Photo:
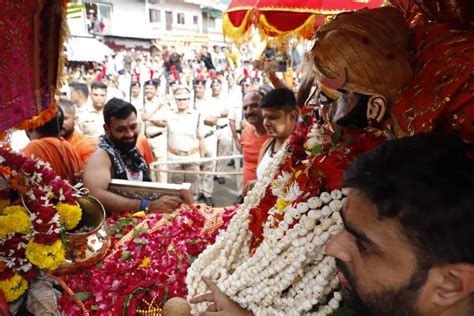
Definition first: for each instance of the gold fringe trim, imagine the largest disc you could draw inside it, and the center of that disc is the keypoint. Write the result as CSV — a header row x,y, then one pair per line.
x,y
236,33
305,30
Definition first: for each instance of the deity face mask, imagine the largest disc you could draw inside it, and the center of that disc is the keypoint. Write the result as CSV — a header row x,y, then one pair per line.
x,y
359,69
343,109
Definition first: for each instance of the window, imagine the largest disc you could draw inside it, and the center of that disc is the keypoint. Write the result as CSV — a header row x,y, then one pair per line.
x,y
155,15
180,18
195,20
212,22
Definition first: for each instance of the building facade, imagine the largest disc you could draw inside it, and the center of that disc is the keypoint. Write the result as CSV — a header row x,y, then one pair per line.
x,y
141,23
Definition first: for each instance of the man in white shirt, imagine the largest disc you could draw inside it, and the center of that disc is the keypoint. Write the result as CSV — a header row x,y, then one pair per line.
x,y
209,115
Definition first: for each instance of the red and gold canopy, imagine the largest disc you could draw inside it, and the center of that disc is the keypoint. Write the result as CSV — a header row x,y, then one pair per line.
x,y
277,18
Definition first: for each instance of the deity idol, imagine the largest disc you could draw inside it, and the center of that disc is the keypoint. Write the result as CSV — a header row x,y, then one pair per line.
x,y
271,259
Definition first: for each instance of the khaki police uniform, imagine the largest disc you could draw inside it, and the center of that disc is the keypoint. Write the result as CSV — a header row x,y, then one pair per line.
x,y
183,144
156,135
91,123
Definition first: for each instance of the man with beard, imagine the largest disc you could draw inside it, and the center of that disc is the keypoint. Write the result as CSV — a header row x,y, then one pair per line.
x,y
117,157
407,246
82,145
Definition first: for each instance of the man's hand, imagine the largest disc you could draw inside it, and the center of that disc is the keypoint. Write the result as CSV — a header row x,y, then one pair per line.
x,y
222,304
165,204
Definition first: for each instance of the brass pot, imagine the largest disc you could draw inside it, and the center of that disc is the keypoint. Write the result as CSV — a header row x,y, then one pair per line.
x,y
86,248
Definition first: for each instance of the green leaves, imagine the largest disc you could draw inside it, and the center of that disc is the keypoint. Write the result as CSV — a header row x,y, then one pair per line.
x,y
125,255
316,149
82,296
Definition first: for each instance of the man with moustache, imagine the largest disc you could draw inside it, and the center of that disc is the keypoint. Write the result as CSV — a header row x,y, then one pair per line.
x,y
407,245
253,137
117,157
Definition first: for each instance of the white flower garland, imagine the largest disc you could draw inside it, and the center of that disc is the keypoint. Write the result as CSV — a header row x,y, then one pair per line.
x,y
288,273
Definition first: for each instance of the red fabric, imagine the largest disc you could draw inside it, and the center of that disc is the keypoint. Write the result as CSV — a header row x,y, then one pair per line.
x,y
439,97
30,42
251,145
59,153
288,15
82,145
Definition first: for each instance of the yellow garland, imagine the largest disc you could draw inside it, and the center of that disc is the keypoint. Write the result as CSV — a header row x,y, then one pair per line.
x,y
70,215
14,220
13,287
46,256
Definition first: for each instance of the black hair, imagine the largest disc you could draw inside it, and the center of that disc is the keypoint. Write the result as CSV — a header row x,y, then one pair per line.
x,y
135,84
426,182
81,87
280,99
52,127
98,85
117,108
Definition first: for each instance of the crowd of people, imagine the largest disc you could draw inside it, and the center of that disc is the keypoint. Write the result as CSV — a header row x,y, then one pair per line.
x,y
183,108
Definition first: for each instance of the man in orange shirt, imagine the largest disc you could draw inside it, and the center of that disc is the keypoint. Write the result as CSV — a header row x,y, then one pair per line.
x,y
47,144
253,137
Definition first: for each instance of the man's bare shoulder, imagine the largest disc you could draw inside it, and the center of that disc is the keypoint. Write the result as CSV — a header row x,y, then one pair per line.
x,y
99,159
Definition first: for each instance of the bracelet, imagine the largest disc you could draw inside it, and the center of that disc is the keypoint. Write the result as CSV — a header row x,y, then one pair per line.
x,y
144,205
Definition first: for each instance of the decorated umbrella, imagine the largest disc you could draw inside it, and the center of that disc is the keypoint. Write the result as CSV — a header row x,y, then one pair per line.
x,y
279,18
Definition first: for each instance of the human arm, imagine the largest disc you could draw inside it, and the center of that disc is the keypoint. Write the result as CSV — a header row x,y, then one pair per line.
x,y
222,304
270,69
97,176
235,136
210,121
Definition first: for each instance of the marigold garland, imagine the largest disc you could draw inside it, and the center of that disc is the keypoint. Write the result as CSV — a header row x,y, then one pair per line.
x,y
70,215
14,220
30,235
13,287
46,256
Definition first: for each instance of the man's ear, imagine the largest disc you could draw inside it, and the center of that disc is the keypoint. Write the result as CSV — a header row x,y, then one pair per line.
x,y
376,108
294,114
106,129
456,284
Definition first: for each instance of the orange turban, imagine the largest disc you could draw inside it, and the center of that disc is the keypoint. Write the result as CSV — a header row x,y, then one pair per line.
x,y
365,51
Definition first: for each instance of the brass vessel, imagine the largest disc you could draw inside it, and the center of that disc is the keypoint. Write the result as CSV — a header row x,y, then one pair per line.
x,y
84,249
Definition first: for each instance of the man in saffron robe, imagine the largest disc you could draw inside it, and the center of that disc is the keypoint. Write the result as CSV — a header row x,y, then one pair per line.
x,y
82,145
47,144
